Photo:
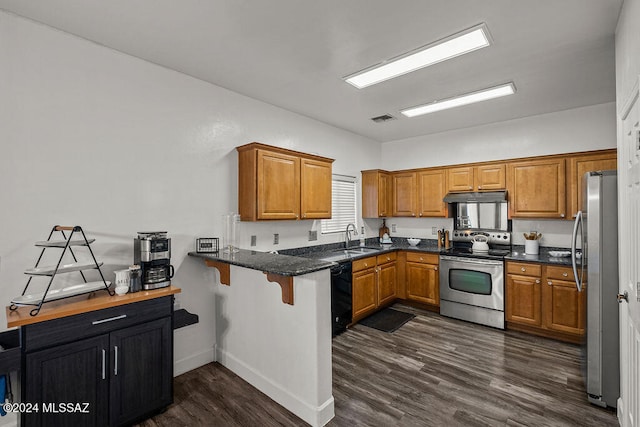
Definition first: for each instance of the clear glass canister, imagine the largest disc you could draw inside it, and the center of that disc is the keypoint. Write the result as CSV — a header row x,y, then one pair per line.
x,y
231,224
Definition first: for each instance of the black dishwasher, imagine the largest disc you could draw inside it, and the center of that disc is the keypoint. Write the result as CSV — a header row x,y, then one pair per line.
x,y
340,297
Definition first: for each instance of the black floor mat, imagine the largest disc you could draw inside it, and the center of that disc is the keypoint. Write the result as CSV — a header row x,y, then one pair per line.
x,y
387,320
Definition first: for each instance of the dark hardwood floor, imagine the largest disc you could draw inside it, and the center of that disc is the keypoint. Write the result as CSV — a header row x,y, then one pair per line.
x,y
433,371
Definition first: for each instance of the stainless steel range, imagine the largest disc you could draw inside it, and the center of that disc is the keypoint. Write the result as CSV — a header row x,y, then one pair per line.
x,y
472,281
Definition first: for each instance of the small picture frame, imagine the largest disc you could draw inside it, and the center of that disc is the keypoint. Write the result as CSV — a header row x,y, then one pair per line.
x,y
207,245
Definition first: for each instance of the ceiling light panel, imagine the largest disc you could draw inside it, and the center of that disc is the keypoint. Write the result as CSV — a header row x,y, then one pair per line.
x,y
469,98
458,44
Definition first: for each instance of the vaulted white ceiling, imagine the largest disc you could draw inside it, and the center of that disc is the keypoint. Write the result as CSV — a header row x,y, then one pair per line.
x,y
294,53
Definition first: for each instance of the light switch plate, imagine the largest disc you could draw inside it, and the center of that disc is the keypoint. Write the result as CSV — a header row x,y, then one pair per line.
x,y
434,231
313,235
254,240
393,228
276,238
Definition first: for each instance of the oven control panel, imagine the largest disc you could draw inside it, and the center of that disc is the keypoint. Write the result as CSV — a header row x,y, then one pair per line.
x,y
493,236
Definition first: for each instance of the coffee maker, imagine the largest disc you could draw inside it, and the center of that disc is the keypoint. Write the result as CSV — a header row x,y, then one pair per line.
x,y
152,252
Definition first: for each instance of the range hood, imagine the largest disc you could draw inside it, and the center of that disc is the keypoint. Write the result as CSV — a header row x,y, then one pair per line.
x,y
476,197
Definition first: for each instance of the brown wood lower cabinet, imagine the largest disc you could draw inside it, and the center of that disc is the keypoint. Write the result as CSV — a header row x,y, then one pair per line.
x,y
422,276
543,299
374,284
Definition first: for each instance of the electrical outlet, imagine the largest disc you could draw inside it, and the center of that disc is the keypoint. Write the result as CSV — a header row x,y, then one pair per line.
x,y
434,231
176,304
313,235
393,228
254,240
276,238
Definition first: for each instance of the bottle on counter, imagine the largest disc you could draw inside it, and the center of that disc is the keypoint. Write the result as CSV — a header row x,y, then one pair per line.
x,y
384,229
362,240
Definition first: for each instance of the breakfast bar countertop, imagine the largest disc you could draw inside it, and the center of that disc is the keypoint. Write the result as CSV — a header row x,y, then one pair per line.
x,y
284,265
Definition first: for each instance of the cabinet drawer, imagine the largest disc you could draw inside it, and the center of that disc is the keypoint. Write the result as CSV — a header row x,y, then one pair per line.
x,y
364,263
423,257
560,273
524,269
391,256
72,328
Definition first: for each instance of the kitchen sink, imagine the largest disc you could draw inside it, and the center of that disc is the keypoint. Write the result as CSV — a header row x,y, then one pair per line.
x,y
342,254
361,251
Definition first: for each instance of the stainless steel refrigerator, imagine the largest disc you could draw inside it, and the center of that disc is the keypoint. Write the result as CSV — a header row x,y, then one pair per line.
x,y
596,226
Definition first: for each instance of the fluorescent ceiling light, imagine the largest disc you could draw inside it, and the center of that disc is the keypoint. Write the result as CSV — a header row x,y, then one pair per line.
x,y
458,44
469,98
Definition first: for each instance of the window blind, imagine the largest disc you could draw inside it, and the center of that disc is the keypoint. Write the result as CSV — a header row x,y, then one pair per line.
x,y
343,204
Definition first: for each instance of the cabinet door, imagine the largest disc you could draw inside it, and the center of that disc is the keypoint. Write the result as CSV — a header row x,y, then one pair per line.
x,y
141,370
315,183
577,167
387,283
364,293
69,374
376,194
404,194
490,177
432,187
278,186
523,300
537,188
423,283
563,307
385,190
460,179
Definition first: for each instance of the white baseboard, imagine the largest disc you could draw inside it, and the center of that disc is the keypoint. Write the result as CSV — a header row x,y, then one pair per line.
x,y
316,416
192,362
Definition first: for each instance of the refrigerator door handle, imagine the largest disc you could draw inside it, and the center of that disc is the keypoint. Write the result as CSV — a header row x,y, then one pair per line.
x,y
576,224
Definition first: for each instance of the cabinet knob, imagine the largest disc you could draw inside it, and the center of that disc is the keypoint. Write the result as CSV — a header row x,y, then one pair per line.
x,y
304,215
565,274
436,269
420,214
366,265
388,259
549,282
421,259
561,215
413,214
479,187
471,187
523,269
537,281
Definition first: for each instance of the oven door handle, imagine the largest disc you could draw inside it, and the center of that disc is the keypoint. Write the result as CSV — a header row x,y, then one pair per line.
x,y
470,260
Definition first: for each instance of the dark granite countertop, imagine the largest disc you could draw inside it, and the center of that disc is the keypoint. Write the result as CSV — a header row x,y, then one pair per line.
x,y
285,265
517,254
336,252
299,261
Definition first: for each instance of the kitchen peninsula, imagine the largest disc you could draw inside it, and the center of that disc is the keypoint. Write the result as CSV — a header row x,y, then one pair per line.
x,y
272,328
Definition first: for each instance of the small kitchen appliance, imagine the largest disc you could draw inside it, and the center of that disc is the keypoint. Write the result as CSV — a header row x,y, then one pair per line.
x,y
152,252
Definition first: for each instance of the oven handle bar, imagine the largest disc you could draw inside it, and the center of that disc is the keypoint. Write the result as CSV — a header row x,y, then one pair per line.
x,y
470,260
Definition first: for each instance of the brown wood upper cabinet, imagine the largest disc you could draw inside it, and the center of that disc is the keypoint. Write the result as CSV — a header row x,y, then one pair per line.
x,y
432,187
419,194
376,194
275,183
477,178
404,194
576,168
536,188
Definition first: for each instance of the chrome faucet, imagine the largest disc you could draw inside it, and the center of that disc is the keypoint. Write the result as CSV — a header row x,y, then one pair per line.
x,y
347,235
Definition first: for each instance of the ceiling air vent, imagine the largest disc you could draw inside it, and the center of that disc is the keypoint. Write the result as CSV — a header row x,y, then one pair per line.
x,y
383,118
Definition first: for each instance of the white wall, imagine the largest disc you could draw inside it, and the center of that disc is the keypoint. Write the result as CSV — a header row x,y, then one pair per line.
x,y
580,129
96,138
